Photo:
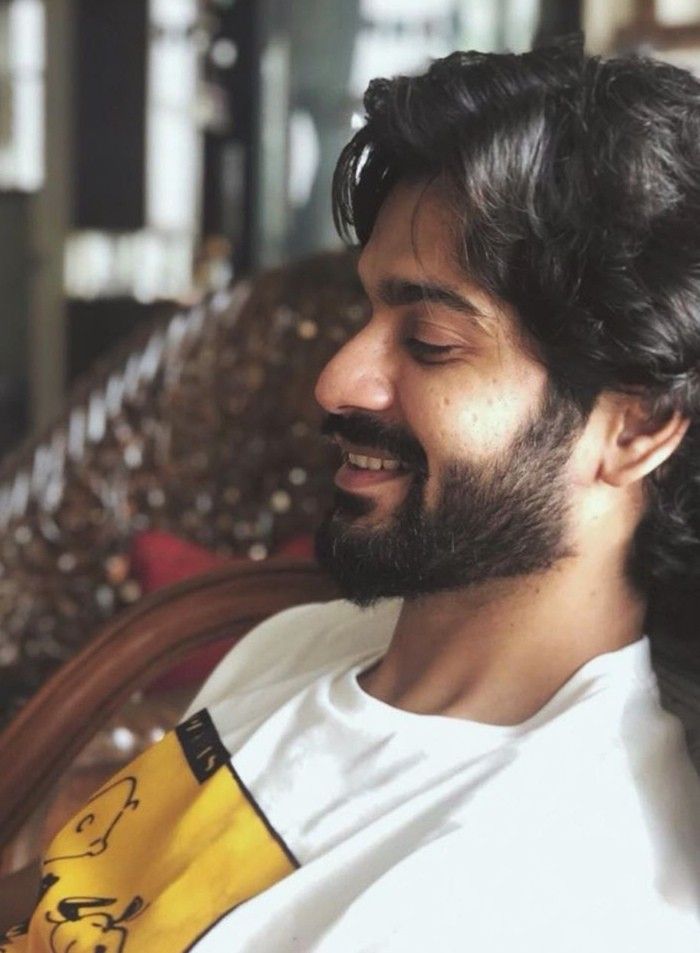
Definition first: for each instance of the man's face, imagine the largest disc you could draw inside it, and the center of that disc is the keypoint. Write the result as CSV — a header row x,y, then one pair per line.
x,y
441,392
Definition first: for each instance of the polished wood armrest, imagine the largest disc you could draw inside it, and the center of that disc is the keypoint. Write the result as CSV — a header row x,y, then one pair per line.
x,y
18,893
127,655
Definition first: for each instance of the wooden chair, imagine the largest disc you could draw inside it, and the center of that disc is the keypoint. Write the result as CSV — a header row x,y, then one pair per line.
x,y
47,734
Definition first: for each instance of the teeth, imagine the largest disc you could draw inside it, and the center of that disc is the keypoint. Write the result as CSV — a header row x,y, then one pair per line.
x,y
362,462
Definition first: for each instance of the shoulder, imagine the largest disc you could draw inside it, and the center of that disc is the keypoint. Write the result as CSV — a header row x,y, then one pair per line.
x,y
654,755
642,811
297,645
622,794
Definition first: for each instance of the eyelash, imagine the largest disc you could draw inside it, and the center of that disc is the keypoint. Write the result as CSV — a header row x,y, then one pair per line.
x,y
422,351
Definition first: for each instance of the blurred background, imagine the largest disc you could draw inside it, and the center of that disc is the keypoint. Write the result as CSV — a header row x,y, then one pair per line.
x,y
152,151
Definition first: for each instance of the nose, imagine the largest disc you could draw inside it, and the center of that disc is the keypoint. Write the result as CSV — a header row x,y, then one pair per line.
x,y
359,376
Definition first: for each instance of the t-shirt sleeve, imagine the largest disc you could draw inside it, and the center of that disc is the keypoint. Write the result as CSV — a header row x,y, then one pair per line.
x,y
258,656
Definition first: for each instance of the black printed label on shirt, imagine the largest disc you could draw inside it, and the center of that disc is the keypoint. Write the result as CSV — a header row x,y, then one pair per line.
x,y
200,742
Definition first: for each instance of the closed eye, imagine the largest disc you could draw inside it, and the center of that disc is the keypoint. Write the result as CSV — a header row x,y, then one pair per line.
x,y
426,353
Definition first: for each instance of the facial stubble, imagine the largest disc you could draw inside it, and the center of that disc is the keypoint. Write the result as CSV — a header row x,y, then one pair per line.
x,y
503,518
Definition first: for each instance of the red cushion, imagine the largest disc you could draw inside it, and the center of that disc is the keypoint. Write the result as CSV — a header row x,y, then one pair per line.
x,y
158,559
302,546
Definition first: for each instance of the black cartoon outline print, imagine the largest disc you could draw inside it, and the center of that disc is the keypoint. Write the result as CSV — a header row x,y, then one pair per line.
x,y
110,933
47,882
99,817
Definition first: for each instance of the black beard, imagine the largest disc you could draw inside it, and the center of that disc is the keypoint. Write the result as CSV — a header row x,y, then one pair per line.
x,y
502,519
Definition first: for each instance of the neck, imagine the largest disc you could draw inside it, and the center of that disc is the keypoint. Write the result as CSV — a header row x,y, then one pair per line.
x,y
498,652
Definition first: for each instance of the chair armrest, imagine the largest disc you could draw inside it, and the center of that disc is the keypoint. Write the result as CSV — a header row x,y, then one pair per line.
x,y
18,892
128,654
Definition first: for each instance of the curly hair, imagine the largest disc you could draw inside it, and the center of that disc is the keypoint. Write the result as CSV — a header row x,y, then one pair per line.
x,y
576,182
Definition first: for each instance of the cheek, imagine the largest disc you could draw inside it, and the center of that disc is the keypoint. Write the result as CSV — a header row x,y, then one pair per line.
x,y
468,428
470,413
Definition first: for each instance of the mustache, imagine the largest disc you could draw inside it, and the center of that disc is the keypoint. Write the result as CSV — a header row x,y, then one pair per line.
x,y
365,429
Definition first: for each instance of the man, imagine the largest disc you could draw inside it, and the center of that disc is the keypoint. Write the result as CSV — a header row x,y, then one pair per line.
x,y
469,754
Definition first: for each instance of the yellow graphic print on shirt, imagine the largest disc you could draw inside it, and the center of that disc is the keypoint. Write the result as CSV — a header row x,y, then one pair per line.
x,y
156,856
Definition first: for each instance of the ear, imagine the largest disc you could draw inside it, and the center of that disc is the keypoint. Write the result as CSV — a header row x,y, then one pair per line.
x,y
639,441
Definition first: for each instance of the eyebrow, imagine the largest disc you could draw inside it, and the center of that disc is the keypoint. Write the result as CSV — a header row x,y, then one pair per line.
x,y
398,292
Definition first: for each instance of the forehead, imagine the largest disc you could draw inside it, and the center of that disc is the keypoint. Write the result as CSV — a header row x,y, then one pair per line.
x,y
414,234
415,240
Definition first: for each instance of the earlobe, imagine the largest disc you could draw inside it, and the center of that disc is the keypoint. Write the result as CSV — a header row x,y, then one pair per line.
x,y
640,444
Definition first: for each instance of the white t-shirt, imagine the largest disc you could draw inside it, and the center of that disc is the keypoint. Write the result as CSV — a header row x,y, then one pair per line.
x,y
578,830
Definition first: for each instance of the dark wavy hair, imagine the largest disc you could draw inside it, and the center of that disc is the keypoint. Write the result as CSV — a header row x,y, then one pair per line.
x,y
577,185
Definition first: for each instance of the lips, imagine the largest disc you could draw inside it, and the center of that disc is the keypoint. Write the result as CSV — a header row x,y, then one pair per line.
x,y
375,445
364,467
362,461
365,457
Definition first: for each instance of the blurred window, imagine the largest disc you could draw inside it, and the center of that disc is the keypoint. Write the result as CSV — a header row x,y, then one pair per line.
x,y
22,95
318,57
156,261
677,12
173,137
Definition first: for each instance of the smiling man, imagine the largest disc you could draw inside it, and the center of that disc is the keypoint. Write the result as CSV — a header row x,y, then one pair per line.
x,y
468,752
471,488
